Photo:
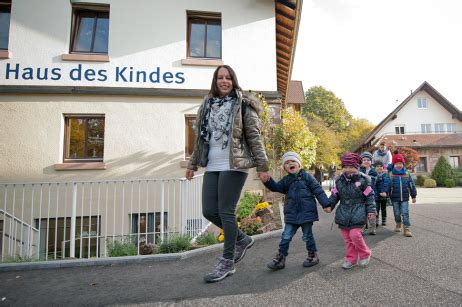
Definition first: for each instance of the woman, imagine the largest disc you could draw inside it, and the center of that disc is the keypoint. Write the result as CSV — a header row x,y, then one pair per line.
x,y
228,143
319,173
332,172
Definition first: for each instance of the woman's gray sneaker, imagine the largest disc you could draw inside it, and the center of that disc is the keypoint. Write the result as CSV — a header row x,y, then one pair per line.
x,y
241,248
224,267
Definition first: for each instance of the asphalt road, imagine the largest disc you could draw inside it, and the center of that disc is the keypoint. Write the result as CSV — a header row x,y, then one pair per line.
x,y
423,270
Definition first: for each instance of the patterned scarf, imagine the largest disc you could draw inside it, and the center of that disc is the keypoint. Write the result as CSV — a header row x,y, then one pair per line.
x,y
217,118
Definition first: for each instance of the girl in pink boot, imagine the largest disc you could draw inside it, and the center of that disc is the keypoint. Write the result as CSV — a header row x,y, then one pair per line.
x,y
357,204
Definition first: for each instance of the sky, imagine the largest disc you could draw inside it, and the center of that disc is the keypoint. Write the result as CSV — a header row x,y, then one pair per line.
x,y
372,53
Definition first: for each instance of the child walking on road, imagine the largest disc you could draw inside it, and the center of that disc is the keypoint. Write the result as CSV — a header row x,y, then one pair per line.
x,y
357,204
399,185
381,200
300,208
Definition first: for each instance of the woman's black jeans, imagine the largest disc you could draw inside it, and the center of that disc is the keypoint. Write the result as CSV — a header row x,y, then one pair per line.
x,y
220,194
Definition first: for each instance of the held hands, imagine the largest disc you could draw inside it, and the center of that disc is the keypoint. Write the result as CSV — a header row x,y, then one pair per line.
x,y
264,176
383,194
189,174
413,200
328,210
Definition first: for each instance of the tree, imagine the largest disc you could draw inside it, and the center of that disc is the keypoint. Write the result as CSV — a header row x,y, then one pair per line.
x,y
411,157
328,147
353,136
328,107
293,135
442,171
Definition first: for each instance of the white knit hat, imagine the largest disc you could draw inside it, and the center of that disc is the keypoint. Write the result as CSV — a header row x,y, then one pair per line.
x,y
290,155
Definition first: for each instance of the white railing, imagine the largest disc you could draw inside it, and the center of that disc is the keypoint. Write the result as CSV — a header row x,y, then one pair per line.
x,y
58,220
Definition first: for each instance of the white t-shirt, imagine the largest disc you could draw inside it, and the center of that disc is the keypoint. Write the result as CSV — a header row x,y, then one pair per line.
x,y
218,157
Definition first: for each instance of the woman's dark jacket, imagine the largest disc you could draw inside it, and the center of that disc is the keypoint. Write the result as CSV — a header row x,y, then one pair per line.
x,y
300,190
356,198
399,185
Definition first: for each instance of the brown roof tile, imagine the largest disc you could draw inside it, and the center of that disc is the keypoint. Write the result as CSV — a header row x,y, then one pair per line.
x,y
424,140
295,94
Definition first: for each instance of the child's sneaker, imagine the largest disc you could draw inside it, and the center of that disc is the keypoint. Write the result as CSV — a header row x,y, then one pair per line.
x,y
278,262
348,265
407,232
311,260
364,262
224,267
398,227
241,248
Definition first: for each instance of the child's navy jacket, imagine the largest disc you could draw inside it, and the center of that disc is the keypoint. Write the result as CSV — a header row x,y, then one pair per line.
x,y
301,190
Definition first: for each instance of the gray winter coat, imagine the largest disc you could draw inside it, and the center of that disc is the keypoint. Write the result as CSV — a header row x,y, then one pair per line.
x,y
356,198
246,149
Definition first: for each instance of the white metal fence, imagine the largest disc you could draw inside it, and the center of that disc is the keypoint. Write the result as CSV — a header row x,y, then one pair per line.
x,y
47,221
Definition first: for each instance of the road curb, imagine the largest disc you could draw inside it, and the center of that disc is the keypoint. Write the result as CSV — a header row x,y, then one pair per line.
x,y
56,264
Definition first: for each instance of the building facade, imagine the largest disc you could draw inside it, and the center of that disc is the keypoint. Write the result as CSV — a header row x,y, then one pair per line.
x,y
425,121
101,90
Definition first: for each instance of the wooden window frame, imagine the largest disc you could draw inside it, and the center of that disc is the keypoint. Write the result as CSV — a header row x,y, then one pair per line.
x,y
205,17
87,8
188,117
5,6
66,137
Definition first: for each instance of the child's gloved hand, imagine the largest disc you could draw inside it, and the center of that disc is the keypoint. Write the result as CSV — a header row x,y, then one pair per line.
x,y
413,200
328,210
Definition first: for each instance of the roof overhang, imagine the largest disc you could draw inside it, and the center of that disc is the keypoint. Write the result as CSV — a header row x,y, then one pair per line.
x,y
288,15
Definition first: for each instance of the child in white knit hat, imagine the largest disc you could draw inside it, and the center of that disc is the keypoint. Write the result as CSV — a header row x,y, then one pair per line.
x,y
300,209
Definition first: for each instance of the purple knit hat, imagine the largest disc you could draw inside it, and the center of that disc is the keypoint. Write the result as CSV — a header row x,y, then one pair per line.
x,y
350,159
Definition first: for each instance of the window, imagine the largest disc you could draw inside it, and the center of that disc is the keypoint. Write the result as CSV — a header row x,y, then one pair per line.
x,y
439,128
421,103
59,230
399,129
90,29
190,135
421,165
204,35
5,12
454,161
149,229
451,127
84,138
426,128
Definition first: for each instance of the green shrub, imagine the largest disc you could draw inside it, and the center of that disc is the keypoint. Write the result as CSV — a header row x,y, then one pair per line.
x,y
207,239
175,243
18,259
430,183
250,225
420,180
121,248
449,183
442,171
458,176
247,205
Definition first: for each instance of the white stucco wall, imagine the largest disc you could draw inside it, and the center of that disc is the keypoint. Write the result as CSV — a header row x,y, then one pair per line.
x,y
144,136
145,36
412,117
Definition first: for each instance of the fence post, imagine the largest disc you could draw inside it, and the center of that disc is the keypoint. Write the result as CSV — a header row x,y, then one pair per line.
x,y
162,199
73,220
183,206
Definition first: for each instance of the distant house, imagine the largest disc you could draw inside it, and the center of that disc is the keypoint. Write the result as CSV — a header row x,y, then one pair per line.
x,y
426,122
295,95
